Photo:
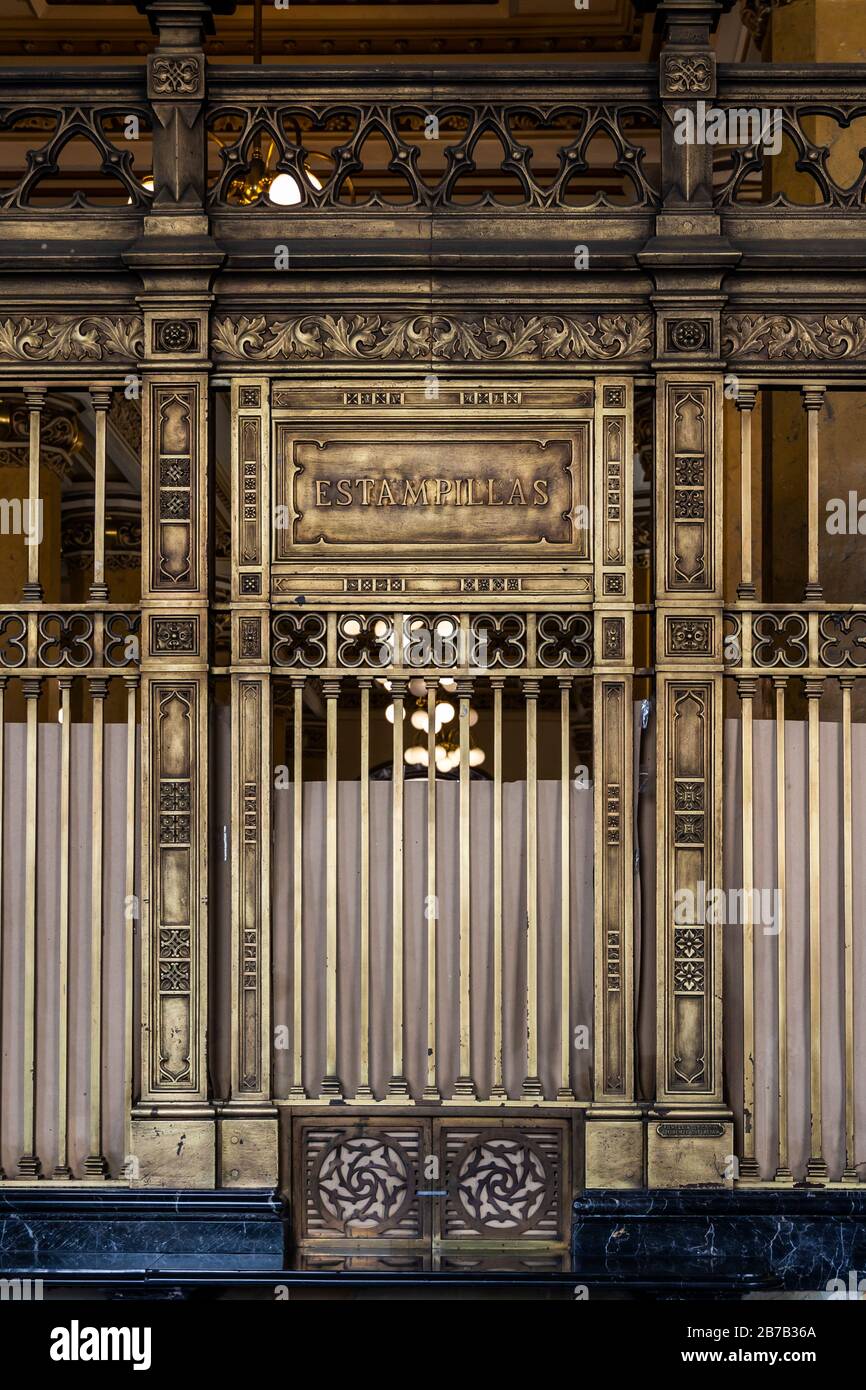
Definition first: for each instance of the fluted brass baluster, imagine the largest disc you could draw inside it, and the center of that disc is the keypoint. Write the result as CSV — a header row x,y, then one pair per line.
x,y
431,915
29,1165
296,1089
497,1091
816,1169
532,1082
332,1087
748,1164
464,1087
783,1172
62,1169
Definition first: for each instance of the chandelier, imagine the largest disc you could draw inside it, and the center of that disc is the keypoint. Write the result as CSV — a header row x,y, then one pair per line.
x,y
262,179
446,728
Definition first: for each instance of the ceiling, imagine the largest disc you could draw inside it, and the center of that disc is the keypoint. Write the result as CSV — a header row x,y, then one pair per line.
x,y
322,31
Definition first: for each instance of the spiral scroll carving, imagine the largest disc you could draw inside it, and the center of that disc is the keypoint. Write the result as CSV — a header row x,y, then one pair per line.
x,y
364,1184
502,1183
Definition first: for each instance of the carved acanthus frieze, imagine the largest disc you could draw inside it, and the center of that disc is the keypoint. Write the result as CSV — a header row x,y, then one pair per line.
x,y
67,338
494,337
767,337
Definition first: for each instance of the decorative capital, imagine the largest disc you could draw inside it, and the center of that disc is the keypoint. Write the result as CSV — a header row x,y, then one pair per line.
x,y
183,23
101,397
746,397
814,397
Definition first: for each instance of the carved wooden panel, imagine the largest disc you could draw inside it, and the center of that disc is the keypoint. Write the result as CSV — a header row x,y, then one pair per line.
x,y
474,489
409,1182
360,1180
174,953
688,486
614,1005
690,746
613,491
176,531
250,886
251,529
504,1180
461,487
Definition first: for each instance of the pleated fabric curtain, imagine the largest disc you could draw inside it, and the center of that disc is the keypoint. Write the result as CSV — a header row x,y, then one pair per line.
x,y
115,935
797,934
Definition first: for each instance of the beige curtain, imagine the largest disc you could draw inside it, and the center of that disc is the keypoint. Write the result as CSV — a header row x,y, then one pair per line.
x,y
796,908
415,892
115,794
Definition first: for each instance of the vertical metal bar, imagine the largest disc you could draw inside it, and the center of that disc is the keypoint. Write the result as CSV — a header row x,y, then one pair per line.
x,y
464,1086
532,1082
431,915
28,1164
748,1165
296,1090
847,682
498,1091
783,1171
95,1165
813,402
101,398
565,684
35,398
816,1168
131,905
746,398
62,1169
397,1086
331,1085
364,1091
3,680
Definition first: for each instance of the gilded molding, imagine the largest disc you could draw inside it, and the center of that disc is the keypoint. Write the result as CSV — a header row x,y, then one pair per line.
x,y
766,337
67,338
493,337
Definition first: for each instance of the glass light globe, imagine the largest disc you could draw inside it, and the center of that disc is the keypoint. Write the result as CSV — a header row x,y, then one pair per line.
x,y
445,712
473,717
448,683
418,687
476,757
285,191
146,182
419,719
415,755
351,627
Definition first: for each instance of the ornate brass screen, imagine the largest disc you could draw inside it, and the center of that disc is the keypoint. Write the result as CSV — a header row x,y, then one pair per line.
x,y
389,434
